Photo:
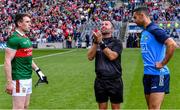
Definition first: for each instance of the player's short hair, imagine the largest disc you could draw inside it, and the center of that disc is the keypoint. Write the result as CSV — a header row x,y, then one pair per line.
x,y
142,9
19,17
113,25
110,20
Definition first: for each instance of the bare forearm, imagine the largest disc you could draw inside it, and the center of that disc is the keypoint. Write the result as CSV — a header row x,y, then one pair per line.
x,y
169,53
8,71
34,66
92,52
110,54
9,55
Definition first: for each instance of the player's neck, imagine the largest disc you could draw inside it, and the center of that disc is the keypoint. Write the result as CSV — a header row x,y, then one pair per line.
x,y
107,35
20,31
147,22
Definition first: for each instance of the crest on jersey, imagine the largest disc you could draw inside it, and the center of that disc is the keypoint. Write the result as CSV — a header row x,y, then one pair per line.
x,y
23,90
144,38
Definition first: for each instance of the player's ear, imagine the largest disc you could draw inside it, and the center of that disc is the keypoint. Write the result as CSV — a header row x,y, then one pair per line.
x,y
112,29
143,15
19,23
112,26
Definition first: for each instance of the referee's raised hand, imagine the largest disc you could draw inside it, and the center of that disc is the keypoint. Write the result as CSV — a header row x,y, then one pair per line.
x,y
97,35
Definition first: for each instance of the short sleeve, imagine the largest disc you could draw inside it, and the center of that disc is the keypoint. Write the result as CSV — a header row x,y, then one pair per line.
x,y
117,46
12,43
159,34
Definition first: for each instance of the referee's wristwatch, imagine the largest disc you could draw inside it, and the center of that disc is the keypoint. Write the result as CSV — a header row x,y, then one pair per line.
x,y
102,45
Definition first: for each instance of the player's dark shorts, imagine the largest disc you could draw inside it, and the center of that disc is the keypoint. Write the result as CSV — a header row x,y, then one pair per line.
x,y
156,83
109,89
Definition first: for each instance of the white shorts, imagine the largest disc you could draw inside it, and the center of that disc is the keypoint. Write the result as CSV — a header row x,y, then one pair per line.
x,y
22,87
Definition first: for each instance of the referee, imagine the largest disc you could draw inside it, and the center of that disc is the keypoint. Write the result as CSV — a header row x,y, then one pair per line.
x,y
107,53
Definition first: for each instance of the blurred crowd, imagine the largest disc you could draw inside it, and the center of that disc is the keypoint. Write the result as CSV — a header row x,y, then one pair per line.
x,y
166,14
159,9
54,20
59,20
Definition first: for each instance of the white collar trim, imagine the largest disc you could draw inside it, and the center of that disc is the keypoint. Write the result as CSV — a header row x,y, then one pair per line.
x,y
20,33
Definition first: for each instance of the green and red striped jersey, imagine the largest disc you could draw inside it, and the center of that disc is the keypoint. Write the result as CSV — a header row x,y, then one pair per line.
x,y
22,62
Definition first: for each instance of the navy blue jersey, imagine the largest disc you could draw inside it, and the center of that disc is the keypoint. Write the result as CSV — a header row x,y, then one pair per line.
x,y
153,49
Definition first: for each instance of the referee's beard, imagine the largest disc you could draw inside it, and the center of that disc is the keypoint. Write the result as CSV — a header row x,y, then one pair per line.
x,y
106,34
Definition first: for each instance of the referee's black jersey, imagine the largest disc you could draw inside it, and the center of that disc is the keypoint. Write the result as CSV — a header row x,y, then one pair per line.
x,y
103,66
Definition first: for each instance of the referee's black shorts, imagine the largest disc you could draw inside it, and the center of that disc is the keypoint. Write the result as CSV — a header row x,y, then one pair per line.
x,y
109,89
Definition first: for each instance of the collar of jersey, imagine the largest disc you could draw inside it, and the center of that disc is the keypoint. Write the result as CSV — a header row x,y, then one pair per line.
x,y
20,33
151,24
105,39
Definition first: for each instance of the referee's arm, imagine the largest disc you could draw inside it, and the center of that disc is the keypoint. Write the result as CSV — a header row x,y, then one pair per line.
x,y
92,52
112,55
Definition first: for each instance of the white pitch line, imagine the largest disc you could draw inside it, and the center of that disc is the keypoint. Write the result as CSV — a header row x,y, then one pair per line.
x,y
60,53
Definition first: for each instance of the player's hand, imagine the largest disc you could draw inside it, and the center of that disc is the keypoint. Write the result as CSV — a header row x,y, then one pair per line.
x,y
97,36
159,65
9,88
42,77
39,73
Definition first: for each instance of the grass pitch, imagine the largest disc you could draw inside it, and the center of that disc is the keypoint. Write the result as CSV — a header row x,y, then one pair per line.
x,y
71,78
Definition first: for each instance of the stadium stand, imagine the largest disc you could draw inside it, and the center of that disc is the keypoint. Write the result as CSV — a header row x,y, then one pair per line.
x,y
164,13
71,22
